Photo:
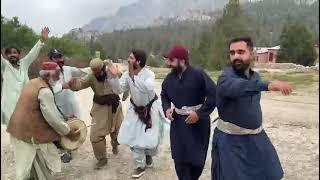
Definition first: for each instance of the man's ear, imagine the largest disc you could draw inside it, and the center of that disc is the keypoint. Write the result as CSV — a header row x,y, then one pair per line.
x,y
182,62
252,54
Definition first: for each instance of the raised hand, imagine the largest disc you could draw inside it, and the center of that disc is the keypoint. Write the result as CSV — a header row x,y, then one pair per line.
x,y
45,34
131,70
282,86
113,69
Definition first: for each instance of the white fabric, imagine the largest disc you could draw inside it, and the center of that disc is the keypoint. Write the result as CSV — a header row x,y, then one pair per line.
x,y
233,129
14,80
186,110
132,130
65,98
25,153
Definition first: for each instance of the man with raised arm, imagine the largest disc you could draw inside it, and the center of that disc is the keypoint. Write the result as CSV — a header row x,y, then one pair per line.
x,y
14,72
241,149
142,128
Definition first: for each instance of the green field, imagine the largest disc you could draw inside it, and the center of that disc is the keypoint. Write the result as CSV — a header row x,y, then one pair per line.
x,y
294,78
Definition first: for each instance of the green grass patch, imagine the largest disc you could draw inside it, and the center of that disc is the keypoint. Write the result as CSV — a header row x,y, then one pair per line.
x,y
296,79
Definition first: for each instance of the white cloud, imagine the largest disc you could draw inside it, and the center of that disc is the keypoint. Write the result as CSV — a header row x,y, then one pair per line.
x,y
59,15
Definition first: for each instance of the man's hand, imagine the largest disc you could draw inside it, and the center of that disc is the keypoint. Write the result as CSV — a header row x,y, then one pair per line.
x,y
113,69
282,86
73,134
73,83
65,85
45,34
169,114
192,118
71,116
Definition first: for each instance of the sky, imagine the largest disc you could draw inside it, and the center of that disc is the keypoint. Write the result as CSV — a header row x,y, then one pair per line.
x,y
59,15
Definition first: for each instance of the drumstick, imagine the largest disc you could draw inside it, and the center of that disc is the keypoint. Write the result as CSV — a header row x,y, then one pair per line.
x,y
84,127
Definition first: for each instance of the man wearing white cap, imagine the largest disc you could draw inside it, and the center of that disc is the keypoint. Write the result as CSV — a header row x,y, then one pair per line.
x,y
106,111
65,98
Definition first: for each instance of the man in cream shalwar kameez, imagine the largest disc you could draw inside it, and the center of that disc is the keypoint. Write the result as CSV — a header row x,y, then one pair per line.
x,y
65,98
16,76
36,157
143,141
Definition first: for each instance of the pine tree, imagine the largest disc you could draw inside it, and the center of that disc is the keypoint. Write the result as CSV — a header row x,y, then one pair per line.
x,y
213,49
297,45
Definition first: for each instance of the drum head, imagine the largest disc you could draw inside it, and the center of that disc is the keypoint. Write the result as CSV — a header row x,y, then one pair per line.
x,y
67,143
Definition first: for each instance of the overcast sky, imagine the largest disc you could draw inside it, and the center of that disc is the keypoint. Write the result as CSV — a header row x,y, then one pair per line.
x,y
59,15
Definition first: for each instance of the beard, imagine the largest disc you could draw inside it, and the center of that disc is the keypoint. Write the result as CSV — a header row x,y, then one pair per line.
x,y
14,60
176,70
135,66
102,76
52,83
240,66
61,64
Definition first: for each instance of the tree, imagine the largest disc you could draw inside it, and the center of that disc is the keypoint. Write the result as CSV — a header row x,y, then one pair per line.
x,y
15,34
297,45
96,46
212,51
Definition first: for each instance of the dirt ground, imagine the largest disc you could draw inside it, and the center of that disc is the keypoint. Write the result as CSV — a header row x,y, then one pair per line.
x,y
293,127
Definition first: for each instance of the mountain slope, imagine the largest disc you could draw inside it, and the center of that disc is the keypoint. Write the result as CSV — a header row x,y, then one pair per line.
x,y
144,13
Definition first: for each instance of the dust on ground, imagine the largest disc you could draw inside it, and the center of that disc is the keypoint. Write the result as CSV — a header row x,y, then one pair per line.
x,y
292,123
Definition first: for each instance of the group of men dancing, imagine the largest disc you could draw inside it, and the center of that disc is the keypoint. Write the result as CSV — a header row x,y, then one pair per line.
x,y
36,113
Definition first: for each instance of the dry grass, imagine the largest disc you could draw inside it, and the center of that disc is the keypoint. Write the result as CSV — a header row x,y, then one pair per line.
x,y
296,79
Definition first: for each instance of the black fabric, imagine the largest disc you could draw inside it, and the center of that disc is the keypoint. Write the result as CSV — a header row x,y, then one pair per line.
x,y
144,112
187,171
189,142
110,100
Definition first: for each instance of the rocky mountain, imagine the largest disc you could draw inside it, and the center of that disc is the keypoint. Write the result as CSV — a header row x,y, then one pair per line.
x,y
144,13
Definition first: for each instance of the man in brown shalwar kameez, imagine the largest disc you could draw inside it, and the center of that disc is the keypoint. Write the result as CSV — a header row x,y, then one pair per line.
x,y
106,111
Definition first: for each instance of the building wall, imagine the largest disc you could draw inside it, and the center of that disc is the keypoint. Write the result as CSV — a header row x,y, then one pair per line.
x,y
274,56
262,57
267,57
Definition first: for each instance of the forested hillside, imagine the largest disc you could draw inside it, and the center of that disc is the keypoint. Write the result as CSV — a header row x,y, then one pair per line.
x,y
263,20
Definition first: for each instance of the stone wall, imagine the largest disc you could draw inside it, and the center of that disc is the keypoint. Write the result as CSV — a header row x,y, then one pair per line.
x,y
287,66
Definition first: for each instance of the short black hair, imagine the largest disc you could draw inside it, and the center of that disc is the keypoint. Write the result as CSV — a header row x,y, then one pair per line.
x,y
140,55
8,50
247,40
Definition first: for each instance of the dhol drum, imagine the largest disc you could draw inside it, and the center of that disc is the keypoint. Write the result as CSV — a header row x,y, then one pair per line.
x,y
71,145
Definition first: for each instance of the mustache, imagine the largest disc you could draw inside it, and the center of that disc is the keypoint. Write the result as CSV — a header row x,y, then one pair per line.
x,y
13,58
60,63
238,61
176,70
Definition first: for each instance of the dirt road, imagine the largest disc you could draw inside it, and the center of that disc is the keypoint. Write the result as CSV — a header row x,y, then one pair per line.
x,y
292,126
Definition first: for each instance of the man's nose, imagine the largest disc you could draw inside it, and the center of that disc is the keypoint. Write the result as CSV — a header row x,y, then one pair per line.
x,y
237,55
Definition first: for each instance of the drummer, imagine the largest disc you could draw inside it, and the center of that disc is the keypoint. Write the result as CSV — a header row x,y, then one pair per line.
x,y
32,136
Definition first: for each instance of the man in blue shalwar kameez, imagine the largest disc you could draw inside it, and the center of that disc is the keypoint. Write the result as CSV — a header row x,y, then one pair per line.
x,y
241,149
192,92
